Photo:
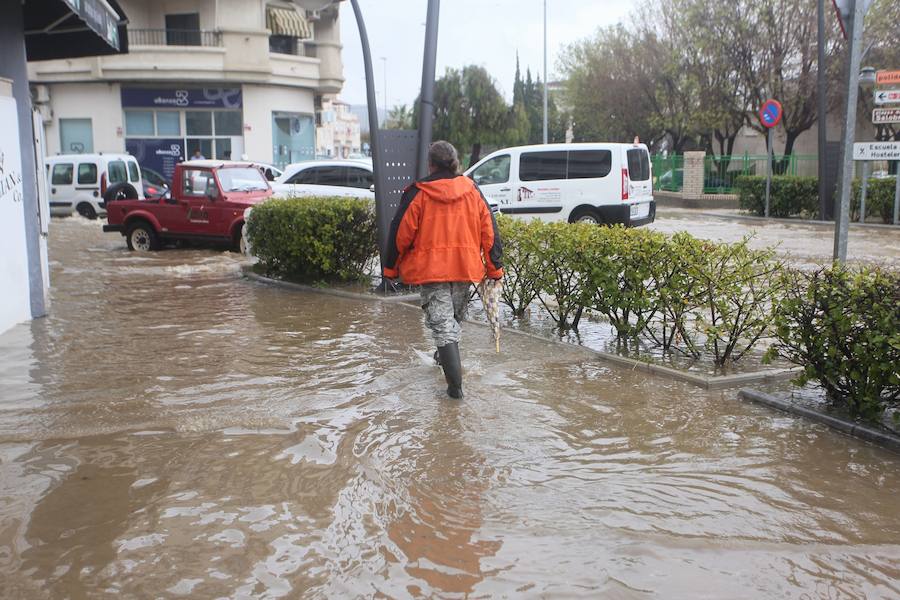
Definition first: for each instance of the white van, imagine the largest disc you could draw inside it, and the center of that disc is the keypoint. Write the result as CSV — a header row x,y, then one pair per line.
x,y
79,181
594,183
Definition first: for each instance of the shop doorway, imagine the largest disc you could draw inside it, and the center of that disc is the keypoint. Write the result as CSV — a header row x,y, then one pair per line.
x,y
293,138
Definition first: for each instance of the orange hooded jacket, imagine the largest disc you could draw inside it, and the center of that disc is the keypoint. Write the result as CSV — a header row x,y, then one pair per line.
x,y
443,231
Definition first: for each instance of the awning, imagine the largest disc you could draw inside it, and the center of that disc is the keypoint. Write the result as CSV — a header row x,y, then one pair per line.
x,y
73,28
287,21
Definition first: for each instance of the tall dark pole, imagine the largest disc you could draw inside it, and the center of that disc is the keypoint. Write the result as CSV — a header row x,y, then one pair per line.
x,y
426,97
374,141
823,115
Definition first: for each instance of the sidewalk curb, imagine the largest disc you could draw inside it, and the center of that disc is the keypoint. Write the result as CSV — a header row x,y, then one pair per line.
x,y
885,226
851,428
702,381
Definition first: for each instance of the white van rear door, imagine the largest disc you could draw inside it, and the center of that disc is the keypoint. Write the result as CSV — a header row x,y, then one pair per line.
x,y
640,186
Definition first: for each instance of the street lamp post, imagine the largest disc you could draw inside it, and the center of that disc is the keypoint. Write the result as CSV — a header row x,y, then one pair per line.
x,y
545,71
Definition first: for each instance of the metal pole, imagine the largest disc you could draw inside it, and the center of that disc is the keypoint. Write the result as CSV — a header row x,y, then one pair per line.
x,y
862,192
545,71
374,136
426,102
384,74
768,169
842,219
897,196
822,114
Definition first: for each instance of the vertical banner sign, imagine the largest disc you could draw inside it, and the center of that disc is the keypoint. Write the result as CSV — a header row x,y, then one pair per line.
x,y
769,115
16,304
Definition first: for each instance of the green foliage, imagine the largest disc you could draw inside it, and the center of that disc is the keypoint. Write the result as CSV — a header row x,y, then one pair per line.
x,y
843,327
560,285
879,199
400,117
736,289
789,196
521,262
314,239
625,273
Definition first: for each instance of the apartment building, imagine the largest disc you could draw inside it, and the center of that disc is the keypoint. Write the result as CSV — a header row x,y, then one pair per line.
x,y
337,131
230,78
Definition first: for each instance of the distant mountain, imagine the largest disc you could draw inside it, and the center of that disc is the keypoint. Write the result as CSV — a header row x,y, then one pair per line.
x,y
362,111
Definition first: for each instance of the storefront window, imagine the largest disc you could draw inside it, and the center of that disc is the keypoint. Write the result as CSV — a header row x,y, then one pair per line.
x,y
168,123
228,122
139,122
198,122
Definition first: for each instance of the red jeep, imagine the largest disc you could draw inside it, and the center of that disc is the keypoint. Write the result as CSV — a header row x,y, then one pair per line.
x,y
208,201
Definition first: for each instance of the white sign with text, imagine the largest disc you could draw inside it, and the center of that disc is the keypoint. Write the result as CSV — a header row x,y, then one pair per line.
x,y
876,151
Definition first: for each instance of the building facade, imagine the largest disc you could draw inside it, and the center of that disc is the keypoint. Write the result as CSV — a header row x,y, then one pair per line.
x,y
228,78
337,133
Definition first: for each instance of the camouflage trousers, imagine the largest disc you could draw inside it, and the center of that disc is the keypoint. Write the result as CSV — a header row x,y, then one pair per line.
x,y
445,306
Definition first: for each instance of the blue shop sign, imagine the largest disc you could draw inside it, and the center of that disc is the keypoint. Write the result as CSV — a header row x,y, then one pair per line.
x,y
182,98
159,154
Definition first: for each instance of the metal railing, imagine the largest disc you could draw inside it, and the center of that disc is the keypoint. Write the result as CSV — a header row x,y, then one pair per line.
x,y
174,37
721,172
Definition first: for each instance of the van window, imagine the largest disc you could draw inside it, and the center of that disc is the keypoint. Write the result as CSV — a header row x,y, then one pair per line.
x,y
359,178
134,173
638,165
116,170
304,176
87,173
588,164
495,170
62,174
539,166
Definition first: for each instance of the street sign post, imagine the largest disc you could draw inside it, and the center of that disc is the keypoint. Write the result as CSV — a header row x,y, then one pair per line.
x,y
885,116
770,115
876,151
887,97
887,77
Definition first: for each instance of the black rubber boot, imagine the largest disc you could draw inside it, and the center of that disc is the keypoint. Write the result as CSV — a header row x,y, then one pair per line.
x,y
452,366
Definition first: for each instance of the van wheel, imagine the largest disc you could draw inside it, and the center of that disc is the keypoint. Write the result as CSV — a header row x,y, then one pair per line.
x,y
141,237
87,211
585,215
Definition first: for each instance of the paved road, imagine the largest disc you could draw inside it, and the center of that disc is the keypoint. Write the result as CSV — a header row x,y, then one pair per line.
x,y
803,243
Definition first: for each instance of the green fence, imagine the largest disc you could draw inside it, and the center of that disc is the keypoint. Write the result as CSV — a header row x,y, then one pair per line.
x,y
668,172
720,172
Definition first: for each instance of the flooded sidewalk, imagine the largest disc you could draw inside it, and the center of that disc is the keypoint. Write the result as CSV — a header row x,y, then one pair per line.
x,y
173,430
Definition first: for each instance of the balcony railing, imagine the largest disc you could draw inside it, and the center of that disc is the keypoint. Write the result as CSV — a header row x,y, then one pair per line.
x,y
174,37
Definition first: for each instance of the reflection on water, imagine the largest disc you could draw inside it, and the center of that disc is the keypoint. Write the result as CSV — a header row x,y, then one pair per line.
x,y
175,431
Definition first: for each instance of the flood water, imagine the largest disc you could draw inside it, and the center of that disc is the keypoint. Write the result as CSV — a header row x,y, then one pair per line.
x,y
173,430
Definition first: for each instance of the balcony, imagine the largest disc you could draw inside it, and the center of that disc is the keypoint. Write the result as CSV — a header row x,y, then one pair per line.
x,y
174,37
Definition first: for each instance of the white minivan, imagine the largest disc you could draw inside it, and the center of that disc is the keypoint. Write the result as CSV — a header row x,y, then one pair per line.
x,y
594,183
79,181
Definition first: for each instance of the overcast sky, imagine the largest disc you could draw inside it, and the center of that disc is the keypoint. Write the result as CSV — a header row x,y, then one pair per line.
x,y
482,32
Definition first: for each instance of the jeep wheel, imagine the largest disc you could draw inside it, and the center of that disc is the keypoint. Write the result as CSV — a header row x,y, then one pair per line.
x,y
239,242
585,215
87,211
141,237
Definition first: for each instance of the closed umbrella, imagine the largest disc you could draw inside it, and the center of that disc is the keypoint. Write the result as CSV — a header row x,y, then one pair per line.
x,y
490,291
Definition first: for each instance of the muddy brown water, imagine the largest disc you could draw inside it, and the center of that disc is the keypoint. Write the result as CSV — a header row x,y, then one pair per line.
x,y
173,430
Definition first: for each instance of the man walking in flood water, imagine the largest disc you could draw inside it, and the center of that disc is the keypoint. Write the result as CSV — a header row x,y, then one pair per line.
x,y
444,238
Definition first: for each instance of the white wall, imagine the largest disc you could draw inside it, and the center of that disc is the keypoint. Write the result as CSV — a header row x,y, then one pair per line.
x,y
100,102
260,101
15,303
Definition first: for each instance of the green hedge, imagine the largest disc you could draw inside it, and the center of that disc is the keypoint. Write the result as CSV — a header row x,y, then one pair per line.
x,y
843,327
790,196
879,199
679,292
315,239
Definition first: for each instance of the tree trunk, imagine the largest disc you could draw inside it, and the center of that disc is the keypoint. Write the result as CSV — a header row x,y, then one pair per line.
x,y
780,167
476,153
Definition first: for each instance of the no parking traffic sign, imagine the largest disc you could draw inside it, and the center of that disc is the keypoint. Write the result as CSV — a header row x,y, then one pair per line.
x,y
770,113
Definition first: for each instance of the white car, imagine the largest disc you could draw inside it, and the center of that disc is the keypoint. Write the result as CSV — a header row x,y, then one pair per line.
x,y
349,178
594,183
79,181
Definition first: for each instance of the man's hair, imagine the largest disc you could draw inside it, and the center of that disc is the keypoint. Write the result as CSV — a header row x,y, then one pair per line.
x,y
442,155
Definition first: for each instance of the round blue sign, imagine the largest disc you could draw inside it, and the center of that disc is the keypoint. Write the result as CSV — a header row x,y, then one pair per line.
x,y
770,113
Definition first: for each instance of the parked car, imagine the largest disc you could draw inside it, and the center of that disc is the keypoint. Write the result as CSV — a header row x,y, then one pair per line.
x,y
207,203
155,184
78,182
593,183
353,178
